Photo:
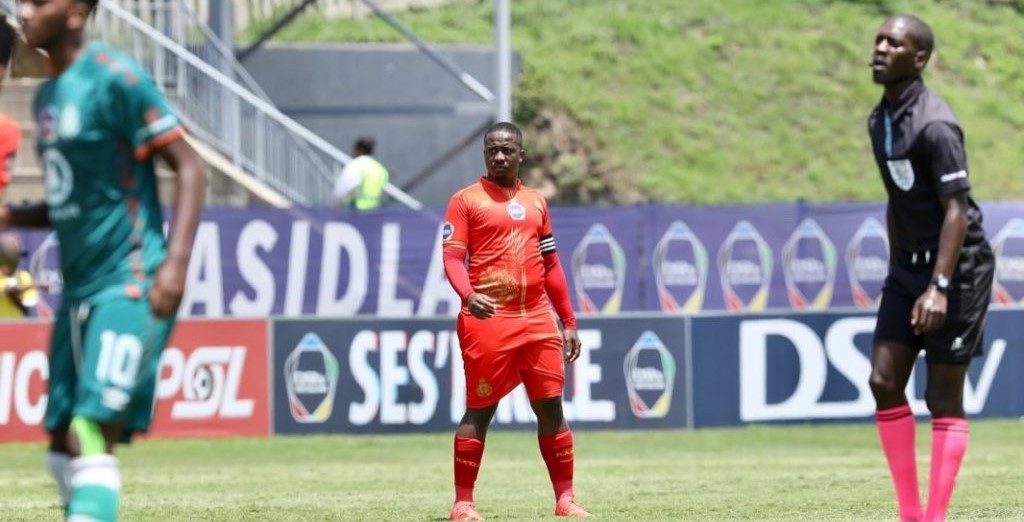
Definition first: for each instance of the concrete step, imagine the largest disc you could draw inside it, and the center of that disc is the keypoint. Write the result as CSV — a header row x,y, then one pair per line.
x,y
26,155
25,188
16,99
16,102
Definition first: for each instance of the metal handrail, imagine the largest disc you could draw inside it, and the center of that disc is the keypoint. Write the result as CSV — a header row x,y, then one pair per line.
x,y
225,58
232,100
225,111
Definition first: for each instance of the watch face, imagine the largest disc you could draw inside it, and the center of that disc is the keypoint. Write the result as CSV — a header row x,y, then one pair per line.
x,y
942,282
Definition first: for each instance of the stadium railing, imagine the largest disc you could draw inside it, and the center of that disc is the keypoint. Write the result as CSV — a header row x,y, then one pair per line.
x,y
239,123
201,78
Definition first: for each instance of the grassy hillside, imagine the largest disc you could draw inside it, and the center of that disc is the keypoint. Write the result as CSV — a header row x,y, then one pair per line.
x,y
712,101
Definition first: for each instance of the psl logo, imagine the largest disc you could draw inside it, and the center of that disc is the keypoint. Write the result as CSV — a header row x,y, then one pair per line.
x,y
809,267
1008,246
205,383
599,271
867,263
650,373
311,379
680,264
745,267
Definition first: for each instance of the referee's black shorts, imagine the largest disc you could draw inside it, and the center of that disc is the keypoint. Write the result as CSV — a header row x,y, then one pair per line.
x,y
970,291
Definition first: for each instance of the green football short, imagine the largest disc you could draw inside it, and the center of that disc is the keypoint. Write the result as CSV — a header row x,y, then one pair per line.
x,y
105,360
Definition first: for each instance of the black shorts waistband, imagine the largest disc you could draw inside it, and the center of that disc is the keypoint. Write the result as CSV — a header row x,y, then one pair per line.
x,y
928,257
917,257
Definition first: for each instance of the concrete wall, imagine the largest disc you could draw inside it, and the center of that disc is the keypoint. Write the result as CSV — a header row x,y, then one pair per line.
x,y
394,93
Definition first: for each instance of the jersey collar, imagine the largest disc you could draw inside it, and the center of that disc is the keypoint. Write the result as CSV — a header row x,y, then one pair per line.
x,y
495,189
906,100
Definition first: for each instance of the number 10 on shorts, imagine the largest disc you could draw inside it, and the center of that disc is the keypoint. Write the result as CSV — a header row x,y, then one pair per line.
x,y
120,356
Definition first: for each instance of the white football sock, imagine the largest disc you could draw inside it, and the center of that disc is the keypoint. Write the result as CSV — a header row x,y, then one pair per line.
x,y
58,465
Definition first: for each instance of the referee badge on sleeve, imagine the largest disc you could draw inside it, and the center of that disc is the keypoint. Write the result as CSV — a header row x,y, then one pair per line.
x,y
902,173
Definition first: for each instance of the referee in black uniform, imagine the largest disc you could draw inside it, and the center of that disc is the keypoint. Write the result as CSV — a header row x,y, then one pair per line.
x,y
940,272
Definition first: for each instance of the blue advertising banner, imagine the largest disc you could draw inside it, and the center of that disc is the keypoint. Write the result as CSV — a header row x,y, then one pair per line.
x,y
815,366
683,260
402,375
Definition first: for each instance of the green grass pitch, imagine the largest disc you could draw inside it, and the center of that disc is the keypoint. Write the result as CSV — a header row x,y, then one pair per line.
x,y
824,472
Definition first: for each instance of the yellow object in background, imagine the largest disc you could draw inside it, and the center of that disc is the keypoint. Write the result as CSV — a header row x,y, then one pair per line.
x,y
28,297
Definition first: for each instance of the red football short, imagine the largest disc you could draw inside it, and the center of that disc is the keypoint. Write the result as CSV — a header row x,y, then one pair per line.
x,y
500,352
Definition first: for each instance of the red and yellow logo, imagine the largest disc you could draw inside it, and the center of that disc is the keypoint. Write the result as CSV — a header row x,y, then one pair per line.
x,y
483,388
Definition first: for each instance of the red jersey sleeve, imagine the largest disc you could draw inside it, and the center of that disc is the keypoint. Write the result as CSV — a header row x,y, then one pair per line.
x,y
555,283
455,238
455,230
545,228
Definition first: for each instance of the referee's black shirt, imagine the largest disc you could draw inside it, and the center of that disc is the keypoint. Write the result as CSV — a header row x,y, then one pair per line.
x,y
919,148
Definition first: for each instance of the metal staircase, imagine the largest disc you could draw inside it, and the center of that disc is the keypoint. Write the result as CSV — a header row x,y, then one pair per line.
x,y
259,147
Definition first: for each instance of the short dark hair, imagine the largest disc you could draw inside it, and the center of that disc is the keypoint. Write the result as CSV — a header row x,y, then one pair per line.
x,y
921,32
365,144
92,3
8,39
507,127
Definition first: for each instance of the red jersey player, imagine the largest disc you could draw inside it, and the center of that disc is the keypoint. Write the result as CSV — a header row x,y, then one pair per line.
x,y
506,327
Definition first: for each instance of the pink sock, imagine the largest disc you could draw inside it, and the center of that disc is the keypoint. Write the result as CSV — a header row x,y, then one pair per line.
x,y
949,443
896,431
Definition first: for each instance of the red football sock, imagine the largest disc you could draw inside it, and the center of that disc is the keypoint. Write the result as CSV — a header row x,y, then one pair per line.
x,y
557,452
896,431
468,454
949,442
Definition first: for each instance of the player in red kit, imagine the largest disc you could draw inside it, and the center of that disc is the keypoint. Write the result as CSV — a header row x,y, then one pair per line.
x,y
506,327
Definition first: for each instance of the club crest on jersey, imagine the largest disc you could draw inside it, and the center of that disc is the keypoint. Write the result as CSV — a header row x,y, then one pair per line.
x,y
902,173
447,231
483,388
516,211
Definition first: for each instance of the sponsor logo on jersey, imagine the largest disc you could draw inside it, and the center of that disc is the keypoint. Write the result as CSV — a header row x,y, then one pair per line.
x,y
447,231
953,176
311,380
70,122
